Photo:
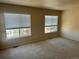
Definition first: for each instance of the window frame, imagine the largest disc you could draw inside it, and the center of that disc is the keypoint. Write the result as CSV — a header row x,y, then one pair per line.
x,y
20,27
52,25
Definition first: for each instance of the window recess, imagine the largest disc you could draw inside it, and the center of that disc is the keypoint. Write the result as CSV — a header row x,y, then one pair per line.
x,y
17,25
51,24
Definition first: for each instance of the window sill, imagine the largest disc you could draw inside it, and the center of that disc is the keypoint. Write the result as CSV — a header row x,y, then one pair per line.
x,y
18,37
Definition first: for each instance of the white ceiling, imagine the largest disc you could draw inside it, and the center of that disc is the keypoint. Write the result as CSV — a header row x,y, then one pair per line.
x,y
50,4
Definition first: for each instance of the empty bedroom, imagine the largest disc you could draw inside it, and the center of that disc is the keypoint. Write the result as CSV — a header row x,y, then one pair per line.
x,y
39,29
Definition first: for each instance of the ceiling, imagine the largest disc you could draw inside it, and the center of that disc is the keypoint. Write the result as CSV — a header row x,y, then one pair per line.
x,y
49,4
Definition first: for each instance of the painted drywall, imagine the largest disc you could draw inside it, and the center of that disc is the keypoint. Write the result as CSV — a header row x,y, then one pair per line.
x,y
37,24
70,24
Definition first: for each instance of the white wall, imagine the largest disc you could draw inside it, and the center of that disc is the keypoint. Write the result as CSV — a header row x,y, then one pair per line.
x,y
70,23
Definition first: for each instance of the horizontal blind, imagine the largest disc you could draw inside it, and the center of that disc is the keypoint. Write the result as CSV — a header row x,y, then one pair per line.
x,y
17,20
51,20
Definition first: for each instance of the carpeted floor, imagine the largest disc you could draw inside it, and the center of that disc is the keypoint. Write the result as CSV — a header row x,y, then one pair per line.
x,y
57,48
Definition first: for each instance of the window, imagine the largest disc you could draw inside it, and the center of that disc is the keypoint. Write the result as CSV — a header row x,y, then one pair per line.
x,y
51,24
17,25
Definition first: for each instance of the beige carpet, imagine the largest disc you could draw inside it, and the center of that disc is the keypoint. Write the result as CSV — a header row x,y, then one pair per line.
x,y
57,48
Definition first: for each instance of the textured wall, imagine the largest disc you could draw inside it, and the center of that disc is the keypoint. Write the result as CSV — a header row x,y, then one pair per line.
x,y
37,23
70,24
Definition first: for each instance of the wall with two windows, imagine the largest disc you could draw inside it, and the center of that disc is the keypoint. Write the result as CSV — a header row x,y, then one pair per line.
x,y
20,24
